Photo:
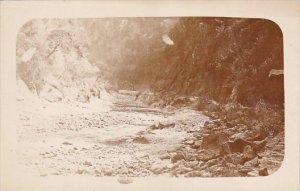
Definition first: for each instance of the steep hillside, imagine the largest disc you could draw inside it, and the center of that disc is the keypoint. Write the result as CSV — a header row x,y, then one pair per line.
x,y
52,60
120,44
225,59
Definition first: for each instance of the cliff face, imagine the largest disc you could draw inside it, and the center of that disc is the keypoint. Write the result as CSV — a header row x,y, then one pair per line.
x,y
52,59
225,59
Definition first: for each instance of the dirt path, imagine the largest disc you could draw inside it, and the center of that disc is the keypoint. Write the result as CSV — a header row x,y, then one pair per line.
x,y
115,136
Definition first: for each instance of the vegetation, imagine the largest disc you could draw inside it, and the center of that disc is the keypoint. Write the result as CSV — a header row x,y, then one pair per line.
x,y
221,58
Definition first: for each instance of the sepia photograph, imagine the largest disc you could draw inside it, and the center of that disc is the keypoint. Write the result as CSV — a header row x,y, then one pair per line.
x,y
162,95
158,96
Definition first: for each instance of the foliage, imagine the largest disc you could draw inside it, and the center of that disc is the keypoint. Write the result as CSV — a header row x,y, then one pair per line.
x,y
222,58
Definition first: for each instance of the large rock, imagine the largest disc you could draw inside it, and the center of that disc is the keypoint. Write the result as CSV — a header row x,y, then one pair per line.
x,y
214,142
196,145
253,163
263,172
108,171
162,126
165,156
141,140
177,157
236,146
235,158
249,153
157,168
206,155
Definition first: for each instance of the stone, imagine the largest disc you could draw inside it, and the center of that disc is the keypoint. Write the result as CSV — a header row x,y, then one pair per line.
x,y
87,163
204,173
107,172
236,158
248,153
196,145
141,139
67,143
170,166
80,171
193,163
214,142
253,173
97,172
237,146
194,173
263,172
157,168
259,145
212,162
190,142
237,136
206,155
253,163
165,156
177,157
123,170
244,171
162,126
182,169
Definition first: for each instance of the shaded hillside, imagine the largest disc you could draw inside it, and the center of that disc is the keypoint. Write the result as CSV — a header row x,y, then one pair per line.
x,y
225,59
120,44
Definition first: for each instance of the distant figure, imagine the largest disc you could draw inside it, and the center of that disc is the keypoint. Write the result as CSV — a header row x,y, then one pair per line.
x,y
99,93
137,95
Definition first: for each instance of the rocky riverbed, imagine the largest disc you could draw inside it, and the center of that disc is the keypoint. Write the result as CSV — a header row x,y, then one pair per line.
x,y
121,136
103,138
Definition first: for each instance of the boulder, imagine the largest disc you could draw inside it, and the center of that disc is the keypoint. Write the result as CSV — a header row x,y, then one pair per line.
x,y
212,162
108,171
206,155
248,153
253,173
253,163
165,156
87,163
182,169
237,145
162,126
67,143
189,142
196,145
214,142
236,158
157,168
259,145
263,172
177,157
244,171
141,139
